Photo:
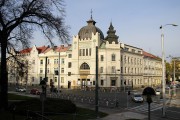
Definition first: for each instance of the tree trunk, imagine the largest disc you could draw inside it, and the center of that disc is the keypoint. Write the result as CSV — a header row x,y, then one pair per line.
x,y
4,78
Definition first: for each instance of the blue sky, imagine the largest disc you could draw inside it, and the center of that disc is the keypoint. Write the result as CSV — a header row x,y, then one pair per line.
x,y
136,22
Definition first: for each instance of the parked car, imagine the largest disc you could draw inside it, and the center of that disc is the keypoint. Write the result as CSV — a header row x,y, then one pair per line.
x,y
35,91
137,98
158,92
20,89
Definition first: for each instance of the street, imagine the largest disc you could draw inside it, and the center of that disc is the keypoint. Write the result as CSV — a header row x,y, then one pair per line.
x,y
118,101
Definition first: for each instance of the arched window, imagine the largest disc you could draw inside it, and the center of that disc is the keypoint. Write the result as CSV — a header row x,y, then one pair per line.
x,y
85,66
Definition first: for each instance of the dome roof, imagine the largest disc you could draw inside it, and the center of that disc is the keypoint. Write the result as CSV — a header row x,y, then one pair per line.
x,y
86,31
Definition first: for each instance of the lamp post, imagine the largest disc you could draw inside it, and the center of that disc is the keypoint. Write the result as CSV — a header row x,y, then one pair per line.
x,y
163,66
174,77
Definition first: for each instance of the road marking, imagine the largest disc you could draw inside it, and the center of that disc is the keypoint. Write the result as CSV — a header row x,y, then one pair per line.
x,y
144,108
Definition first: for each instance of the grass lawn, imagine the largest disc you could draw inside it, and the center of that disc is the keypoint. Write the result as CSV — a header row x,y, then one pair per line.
x,y
55,109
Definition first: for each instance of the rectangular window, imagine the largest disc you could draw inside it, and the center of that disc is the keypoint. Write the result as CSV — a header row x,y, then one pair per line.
x,y
41,70
69,73
32,79
69,55
56,61
94,82
86,52
113,69
41,62
89,51
40,78
62,61
33,62
69,64
56,71
62,70
113,57
102,58
83,52
62,79
80,52
55,79
121,69
48,70
102,82
113,82
101,70
48,61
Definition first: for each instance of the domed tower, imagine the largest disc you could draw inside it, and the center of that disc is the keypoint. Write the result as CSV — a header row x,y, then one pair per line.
x,y
86,31
111,35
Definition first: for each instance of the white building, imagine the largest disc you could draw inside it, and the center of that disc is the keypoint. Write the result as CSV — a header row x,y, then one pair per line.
x,y
119,65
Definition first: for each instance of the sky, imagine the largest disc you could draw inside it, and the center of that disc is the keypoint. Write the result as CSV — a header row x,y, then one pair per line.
x,y
137,22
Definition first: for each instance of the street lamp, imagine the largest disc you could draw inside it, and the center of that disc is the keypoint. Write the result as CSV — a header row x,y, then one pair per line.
x,y
163,66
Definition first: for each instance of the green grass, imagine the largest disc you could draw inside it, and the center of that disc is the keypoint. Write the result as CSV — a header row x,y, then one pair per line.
x,y
55,109
18,97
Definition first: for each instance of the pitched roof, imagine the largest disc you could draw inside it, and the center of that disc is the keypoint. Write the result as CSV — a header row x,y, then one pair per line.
x,y
45,49
146,54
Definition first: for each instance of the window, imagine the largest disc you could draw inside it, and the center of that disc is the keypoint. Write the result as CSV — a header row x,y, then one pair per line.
x,y
40,78
48,70
89,51
94,82
133,50
102,82
102,58
113,82
62,79
33,62
55,79
113,69
80,52
56,61
48,61
101,70
69,64
86,52
69,73
32,80
41,70
84,66
113,57
121,58
121,69
83,52
41,62
62,61
62,70
56,71
126,49
69,55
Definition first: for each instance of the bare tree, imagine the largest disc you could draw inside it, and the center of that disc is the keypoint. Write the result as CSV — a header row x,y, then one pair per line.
x,y
18,20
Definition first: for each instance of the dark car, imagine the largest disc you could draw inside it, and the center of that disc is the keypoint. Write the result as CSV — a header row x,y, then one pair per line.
x,y
35,91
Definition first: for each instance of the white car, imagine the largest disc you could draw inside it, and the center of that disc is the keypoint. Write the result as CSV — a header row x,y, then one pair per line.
x,y
20,89
158,92
137,98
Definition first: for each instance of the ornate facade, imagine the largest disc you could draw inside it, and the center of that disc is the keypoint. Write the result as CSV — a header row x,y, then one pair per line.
x,y
74,66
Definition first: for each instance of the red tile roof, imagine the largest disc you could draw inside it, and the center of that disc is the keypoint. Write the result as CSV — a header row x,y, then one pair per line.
x,y
45,49
146,54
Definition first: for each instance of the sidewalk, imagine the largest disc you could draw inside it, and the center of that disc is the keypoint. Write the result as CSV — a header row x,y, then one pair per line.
x,y
125,116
